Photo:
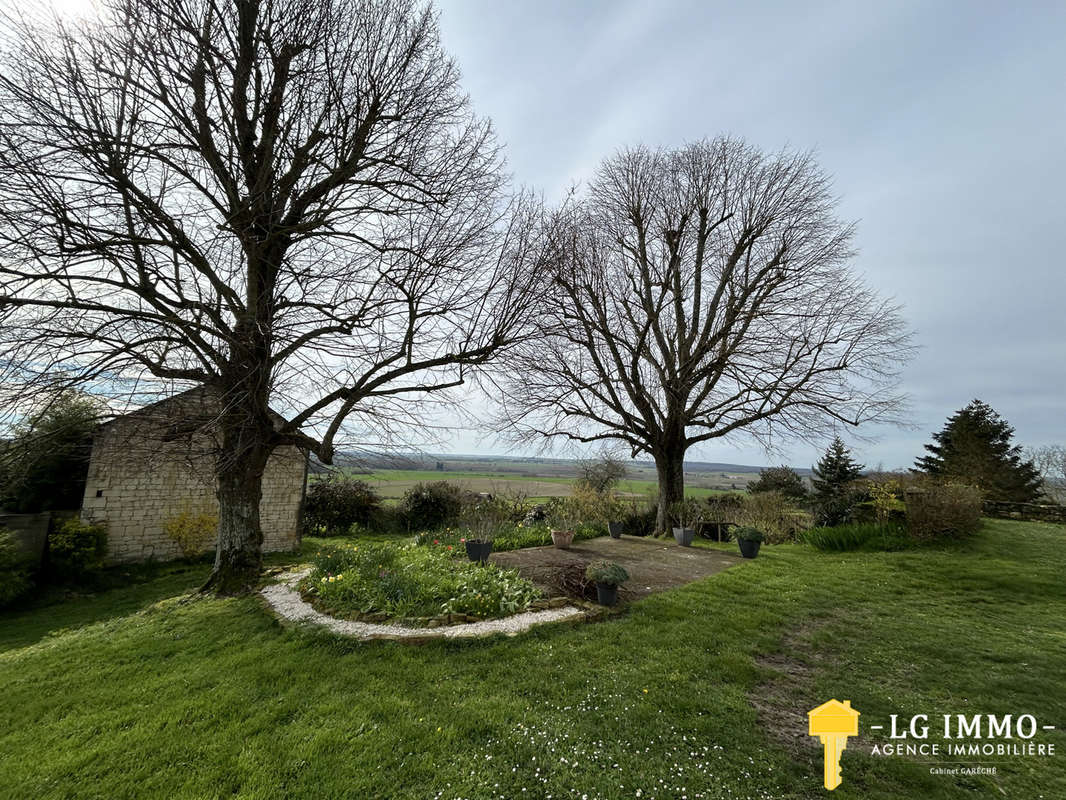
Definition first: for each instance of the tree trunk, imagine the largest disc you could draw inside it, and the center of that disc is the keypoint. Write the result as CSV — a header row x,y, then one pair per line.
x,y
241,462
670,467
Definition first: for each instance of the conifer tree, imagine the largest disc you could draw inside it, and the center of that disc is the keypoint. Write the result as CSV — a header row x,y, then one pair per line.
x,y
975,447
836,470
833,479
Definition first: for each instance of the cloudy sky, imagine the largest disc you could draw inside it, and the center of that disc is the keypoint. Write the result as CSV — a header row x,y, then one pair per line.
x,y
943,124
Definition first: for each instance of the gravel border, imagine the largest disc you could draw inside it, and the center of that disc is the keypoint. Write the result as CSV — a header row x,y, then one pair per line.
x,y
289,605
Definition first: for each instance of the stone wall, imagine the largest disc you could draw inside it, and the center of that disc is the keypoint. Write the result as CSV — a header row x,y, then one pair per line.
x,y
1027,511
152,465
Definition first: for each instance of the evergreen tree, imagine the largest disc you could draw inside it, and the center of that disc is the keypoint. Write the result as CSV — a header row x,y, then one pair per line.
x,y
975,447
834,477
45,464
836,471
780,479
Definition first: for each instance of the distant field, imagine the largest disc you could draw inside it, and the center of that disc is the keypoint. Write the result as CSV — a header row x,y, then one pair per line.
x,y
391,484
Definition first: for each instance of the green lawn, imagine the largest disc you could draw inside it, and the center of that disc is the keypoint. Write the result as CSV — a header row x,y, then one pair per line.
x,y
392,483
139,693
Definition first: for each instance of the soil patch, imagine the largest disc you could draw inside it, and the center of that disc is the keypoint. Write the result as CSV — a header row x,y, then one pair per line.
x,y
654,565
782,702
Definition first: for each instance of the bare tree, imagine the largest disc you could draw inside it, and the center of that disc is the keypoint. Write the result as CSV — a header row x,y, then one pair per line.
x,y
287,201
602,473
700,293
1050,461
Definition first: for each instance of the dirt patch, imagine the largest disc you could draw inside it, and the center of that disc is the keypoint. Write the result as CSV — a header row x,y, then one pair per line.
x,y
782,702
654,565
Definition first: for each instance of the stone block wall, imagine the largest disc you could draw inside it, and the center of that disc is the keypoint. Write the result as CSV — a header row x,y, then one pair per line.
x,y
1028,511
150,466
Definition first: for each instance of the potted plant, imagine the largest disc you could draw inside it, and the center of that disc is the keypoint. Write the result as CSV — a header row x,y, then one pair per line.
x,y
615,529
749,540
689,515
482,521
607,576
562,528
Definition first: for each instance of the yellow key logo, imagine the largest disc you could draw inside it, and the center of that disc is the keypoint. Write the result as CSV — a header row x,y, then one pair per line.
x,y
833,723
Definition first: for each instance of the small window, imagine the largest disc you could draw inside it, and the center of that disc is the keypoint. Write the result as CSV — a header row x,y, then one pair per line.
x,y
99,492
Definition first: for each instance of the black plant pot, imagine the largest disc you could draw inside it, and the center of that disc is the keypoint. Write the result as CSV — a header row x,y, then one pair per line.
x,y
684,536
478,550
748,548
606,593
615,529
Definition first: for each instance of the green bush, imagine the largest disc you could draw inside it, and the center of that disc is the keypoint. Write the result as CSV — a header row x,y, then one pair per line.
x,y
406,582
943,511
606,572
334,503
857,536
640,521
780,479
427,506
14,574
192,531
749,534
77,549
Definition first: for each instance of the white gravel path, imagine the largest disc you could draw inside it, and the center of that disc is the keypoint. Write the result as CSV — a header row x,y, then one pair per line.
x,y
288,604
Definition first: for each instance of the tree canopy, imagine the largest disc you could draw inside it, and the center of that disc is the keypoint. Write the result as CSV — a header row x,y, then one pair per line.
x,y
701,293
289,202
44,465
780,479
975,447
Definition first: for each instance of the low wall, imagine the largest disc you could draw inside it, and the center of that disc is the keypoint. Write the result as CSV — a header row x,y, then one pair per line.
x,y
1028,511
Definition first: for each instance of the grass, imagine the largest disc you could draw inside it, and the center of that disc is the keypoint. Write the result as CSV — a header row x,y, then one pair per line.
x,y
139,693
392,483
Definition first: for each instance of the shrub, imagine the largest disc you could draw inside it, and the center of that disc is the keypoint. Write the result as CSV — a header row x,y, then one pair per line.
x,y
838,508
780,479
14,574
336,502
44,464
430,505
943,510
638,516
193,531
722,512
405,582
770,513
77,548
584,508
723,508
606,572
868,536
886,500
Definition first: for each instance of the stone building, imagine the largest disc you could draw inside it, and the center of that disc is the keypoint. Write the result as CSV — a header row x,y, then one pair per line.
x,y
153,464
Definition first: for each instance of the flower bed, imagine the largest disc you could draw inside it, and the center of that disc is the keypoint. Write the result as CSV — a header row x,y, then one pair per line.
x,y
375,582
510,537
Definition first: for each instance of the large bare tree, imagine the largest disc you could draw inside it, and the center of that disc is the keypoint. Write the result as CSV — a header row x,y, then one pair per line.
x,y
699,293
287,201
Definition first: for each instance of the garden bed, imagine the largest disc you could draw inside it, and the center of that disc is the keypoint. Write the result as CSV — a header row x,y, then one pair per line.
x,y
286,601
414,586
654,565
